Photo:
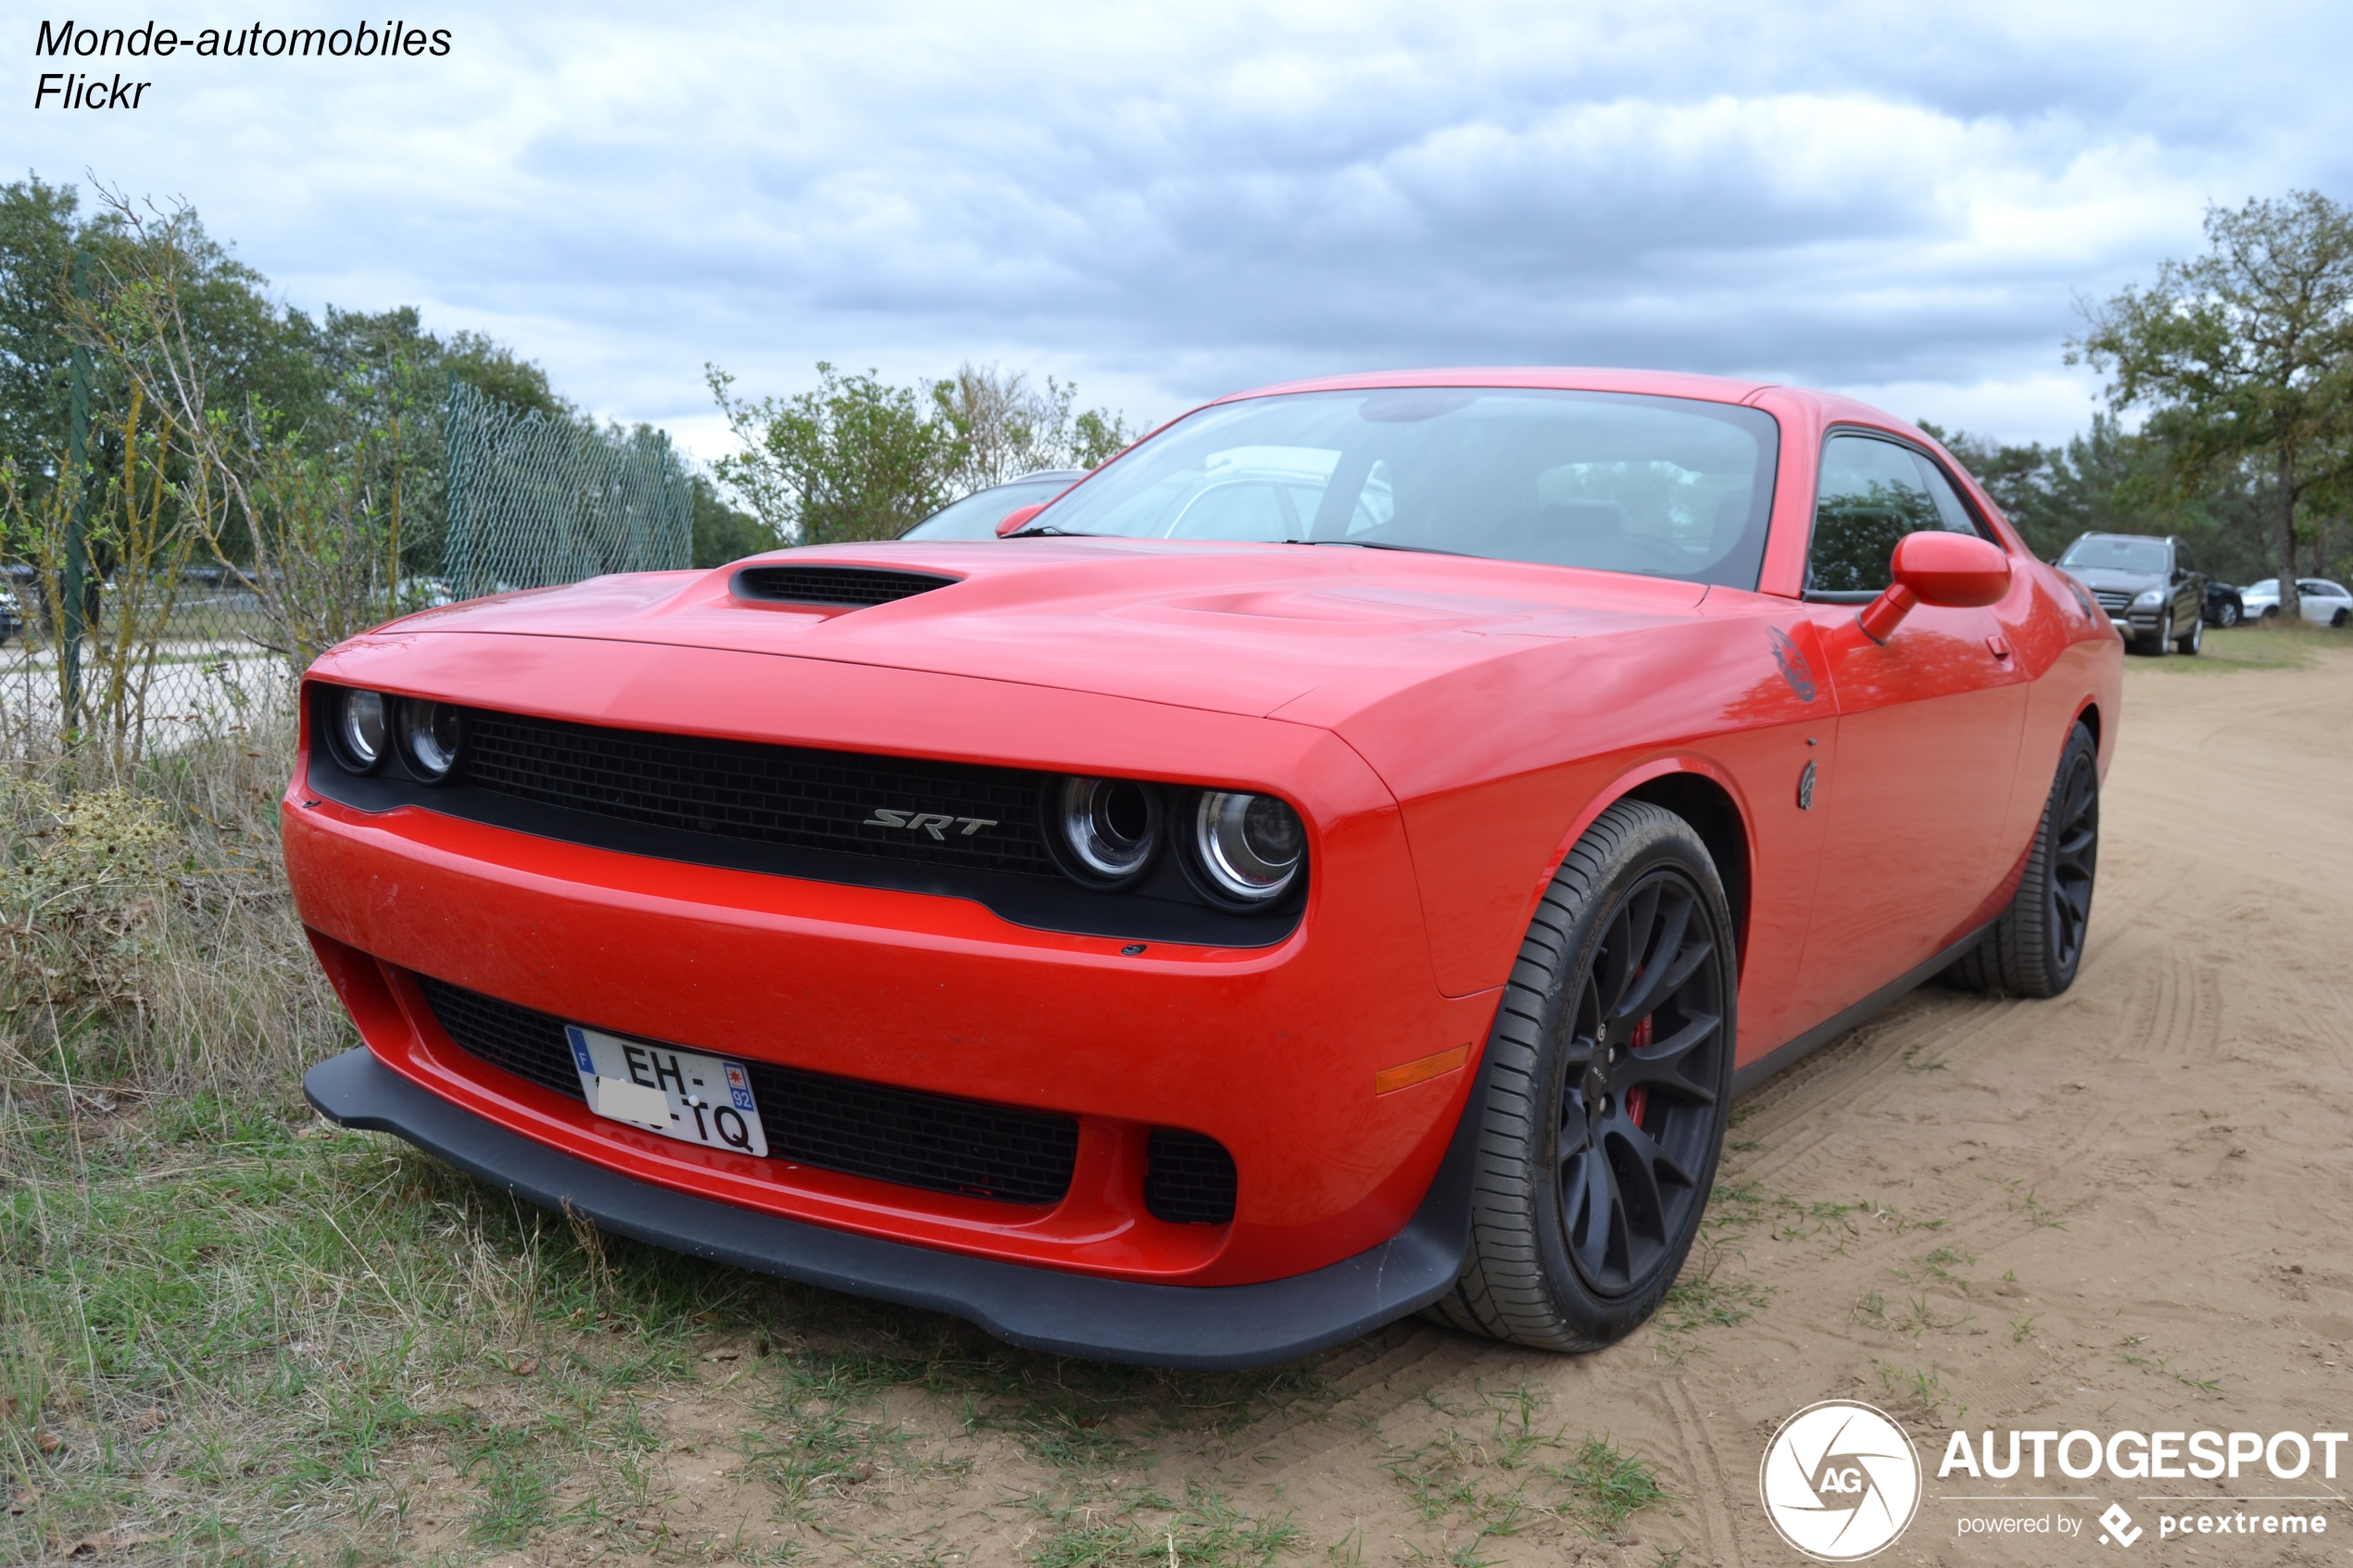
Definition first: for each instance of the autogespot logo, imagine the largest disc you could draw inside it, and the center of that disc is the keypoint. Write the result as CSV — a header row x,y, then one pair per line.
x,y
1840,1480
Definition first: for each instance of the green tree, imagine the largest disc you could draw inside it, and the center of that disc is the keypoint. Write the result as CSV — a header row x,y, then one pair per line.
x,y
722,532
849,458
1005,426
361,392
2245,353
2114,481
229,321
854,458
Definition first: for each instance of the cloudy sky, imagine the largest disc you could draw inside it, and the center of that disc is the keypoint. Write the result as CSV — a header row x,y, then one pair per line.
x,y
1166,202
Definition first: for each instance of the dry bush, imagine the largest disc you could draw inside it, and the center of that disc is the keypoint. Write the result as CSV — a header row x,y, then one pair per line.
x,y
146,925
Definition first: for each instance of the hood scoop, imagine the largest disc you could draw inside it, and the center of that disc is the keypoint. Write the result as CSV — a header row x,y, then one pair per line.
x,y
835,588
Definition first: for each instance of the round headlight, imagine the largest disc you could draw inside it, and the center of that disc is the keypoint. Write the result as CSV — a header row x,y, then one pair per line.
x,y
430,736
357,732
1108,828
1251,845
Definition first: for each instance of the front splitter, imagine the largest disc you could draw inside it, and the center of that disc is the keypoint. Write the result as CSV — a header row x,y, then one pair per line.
x,y
1202,1327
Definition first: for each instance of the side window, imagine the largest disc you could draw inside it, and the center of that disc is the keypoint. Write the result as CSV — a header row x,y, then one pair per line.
x,y
2182,559
1949,505
1871,494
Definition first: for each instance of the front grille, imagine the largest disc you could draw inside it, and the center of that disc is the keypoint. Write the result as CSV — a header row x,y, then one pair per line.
x,y
855,587
1188,1178
2116,601
892,1134
529,1045
945,813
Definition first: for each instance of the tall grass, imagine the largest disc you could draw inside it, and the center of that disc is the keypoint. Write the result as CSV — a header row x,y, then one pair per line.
x,y
229,1331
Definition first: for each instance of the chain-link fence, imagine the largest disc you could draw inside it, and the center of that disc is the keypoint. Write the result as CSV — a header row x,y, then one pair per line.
x,y
534,500
128,618
156,644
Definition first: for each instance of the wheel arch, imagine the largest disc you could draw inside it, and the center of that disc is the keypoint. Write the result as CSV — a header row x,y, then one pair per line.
x,y
1704,802
1705,797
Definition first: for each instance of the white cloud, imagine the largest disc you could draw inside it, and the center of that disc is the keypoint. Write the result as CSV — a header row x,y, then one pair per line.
x,y
1167,202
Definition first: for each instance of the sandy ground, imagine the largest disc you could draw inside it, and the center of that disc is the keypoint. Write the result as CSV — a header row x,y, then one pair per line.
x,y
2126,1207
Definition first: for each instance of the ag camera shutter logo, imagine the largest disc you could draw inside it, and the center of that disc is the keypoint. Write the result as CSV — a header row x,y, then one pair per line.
x,y
1840,1480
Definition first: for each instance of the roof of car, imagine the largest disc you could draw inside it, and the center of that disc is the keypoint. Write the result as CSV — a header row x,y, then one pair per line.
x,y
1666,384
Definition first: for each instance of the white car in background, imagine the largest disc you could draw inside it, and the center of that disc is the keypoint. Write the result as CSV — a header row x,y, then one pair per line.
x,y
2324,603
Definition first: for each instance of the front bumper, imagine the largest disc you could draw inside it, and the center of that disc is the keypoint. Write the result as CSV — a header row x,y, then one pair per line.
x,y
1278,1053
1205,1327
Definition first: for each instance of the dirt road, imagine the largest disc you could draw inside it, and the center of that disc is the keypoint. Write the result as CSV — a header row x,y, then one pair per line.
x,y
2126,1208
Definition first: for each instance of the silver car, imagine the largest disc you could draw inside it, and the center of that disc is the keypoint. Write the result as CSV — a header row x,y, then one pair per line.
x,y
977,515
2324,603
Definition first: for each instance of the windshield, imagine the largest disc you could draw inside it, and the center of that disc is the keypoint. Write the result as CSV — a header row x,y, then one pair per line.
x,y
2143,556
1663,487
977,515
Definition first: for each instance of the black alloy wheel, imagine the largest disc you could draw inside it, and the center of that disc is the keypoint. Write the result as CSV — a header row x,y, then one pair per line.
x,y
2034,949
1609,1084
1637,1099
2074,855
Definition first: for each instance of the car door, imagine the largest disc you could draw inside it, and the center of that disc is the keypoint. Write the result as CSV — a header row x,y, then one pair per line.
x,y
1930,725
2189,588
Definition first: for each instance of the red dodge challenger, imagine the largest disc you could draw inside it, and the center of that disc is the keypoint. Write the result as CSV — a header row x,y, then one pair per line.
x,y
1339,859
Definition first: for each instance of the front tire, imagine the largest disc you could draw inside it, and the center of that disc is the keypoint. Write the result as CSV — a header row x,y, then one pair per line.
x,y
2037,944
2159,641
2228,614
1610,1077
2192,640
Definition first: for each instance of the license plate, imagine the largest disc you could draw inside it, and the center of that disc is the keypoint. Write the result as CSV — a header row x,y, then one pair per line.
x,y
682,1095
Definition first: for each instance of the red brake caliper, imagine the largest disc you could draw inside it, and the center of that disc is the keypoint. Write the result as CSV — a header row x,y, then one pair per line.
x,y
1638,1099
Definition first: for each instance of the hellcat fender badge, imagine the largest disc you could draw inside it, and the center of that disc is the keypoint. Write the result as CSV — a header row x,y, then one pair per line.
x,y
1794,668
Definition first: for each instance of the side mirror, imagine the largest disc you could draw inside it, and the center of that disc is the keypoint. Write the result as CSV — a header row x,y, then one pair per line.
x,y
1018,519
1957,571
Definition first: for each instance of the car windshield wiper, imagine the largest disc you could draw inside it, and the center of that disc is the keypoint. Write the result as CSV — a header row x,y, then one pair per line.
x,y
1045,530
1376,545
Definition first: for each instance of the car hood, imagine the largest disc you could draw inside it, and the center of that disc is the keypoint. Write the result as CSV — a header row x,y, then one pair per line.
x,y
2109,577
1235,628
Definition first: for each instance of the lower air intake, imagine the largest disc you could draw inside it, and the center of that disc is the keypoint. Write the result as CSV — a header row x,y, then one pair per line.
x,y
892,1134
1188,1178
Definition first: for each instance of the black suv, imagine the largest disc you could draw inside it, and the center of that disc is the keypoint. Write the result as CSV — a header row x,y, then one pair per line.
x,y
2149,585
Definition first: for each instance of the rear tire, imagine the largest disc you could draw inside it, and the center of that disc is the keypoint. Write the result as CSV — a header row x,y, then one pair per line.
x,y
2037,944
2192,640
1610,1077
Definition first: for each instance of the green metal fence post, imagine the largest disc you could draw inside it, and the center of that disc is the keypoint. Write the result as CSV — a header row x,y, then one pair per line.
x,y
77,563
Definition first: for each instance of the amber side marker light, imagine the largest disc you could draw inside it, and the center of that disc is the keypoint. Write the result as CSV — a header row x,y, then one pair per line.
x,y
1389,1080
